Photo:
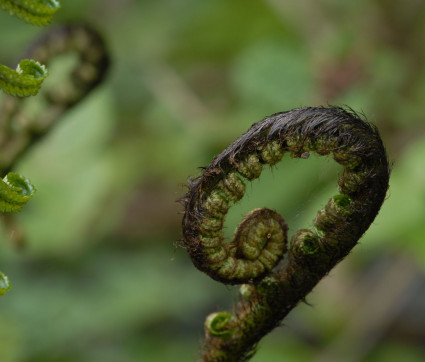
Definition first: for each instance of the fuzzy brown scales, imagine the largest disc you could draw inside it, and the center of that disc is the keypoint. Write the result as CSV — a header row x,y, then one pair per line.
x,y
273,287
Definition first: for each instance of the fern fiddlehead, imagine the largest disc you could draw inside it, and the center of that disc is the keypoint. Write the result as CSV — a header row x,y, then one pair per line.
x,y
15,191
19,128
26,80
271,287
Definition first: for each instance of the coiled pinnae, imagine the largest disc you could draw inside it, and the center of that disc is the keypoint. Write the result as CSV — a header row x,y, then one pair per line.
x,y
260,240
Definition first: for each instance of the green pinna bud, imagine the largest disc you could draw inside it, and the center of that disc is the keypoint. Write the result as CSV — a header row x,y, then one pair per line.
x,y
25,81
217,324
36,12
15,191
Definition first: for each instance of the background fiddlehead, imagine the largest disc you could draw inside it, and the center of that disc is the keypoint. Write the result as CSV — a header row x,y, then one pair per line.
x,y
21,126
29,75
260,240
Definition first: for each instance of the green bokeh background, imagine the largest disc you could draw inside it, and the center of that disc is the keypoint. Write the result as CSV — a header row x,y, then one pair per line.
x,y
101,276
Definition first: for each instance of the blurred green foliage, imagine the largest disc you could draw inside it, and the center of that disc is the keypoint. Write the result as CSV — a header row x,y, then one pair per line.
x,y
101,278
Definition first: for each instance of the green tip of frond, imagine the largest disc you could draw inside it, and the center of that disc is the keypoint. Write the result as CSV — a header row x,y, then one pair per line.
x,y
32,68
25,81
217,324
342,200
15,191
310,245
36,12
4,284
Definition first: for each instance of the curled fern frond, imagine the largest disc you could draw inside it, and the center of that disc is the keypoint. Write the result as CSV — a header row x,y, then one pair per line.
x,y
15,191
19,129
25,81
272,286
36,12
